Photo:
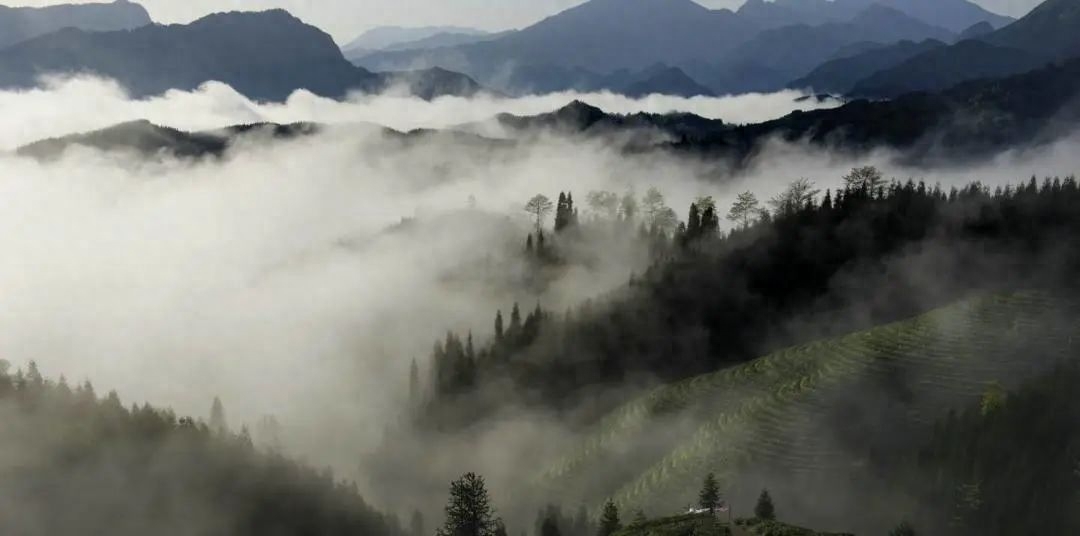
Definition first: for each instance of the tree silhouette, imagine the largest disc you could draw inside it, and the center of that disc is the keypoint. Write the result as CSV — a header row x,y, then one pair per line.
x,y
609,520
764,508
217,416
744,209
539,206
710,494
469,512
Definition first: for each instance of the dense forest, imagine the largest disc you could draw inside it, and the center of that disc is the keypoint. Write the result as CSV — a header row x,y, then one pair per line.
x,y
1010,465
75,463
804,266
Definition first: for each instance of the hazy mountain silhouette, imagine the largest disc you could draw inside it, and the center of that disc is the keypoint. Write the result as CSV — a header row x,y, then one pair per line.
x,y
762,47
383,37
953,15
841,75
976,31
1048,33
598,37
22,23
265,55
774,57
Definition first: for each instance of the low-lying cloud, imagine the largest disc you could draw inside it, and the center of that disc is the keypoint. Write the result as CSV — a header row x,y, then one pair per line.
x,y
92,103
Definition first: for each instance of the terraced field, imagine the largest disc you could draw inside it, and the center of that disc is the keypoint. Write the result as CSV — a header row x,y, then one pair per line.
x,y
791,411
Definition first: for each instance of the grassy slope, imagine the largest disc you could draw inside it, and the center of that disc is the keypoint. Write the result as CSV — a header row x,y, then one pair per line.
x,y
768,412
707,525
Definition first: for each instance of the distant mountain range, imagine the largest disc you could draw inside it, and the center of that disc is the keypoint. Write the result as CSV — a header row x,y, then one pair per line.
x,y
401,38
22,23
1048,34
973,119
266,56
763,46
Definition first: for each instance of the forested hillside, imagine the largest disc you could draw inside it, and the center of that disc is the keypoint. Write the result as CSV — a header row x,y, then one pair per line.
x,y
75,463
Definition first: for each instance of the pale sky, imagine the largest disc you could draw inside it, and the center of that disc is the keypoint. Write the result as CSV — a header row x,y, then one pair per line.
x,y
344,19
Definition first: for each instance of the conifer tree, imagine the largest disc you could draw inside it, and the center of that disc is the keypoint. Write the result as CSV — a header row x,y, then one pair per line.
x,y
609,520
710,494
764,508
217,416
469,511
498,326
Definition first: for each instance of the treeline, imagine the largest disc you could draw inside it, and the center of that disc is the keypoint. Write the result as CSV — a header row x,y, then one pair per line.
x,y
803,265
1010,465
75,463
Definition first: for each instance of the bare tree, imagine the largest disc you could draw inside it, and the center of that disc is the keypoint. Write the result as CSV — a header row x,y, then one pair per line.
x,y
603,202
797,196
866,178
539,206
744,209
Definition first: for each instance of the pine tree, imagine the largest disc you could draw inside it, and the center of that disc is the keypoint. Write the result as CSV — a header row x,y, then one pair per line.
x,y
609,520
710,494
693,222
469,511
639,518
515,321
764,508
498,326
217,416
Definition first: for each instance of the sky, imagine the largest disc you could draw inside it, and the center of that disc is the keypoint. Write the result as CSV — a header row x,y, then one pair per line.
x,y
344,19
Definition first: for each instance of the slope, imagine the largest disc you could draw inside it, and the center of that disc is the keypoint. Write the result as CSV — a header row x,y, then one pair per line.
x,y
599,36
789,415
784,53
1046,34
21,23
840,75
266,56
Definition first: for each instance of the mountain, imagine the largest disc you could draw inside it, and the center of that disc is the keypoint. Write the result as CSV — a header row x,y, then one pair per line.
x,y
665,80
943,67
266,56
953,15
1049,30
445,39
147,139
146,470
21,23
976,31
1048,33
840,75
387,36
579,118
781,54
598,37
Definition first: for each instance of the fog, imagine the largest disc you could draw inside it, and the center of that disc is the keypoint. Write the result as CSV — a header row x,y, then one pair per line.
x,y
64,105
281,277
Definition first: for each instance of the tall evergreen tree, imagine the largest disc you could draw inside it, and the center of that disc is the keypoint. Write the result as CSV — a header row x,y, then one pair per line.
x,y
498,326
693,222
609,520
217,416
515,321
469,511
710,494
764,508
